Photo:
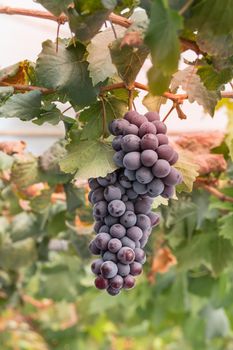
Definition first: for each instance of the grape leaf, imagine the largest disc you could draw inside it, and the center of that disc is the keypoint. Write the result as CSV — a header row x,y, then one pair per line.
x,y
23,106
5,161
89,158
153,103
25,171
128,60
216,45
221,254
66,71
196,90
5,93
186,165
99,58
55,6
213,79
49,114
226,227
217,323
23,225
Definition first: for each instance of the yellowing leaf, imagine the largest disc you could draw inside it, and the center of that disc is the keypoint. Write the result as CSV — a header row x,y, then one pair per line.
x,y
188,168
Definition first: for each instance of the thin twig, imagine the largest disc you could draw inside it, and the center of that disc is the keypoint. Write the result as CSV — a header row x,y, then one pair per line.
x,y
215,192
104,115
113,29
130,92
67,109
169,112
185,7
134,106
20,87
57,37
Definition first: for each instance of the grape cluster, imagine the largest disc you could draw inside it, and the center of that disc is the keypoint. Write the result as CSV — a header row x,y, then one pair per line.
x,y
122,199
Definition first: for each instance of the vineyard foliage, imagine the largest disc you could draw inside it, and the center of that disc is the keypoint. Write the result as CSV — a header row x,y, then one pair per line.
x,y
184,298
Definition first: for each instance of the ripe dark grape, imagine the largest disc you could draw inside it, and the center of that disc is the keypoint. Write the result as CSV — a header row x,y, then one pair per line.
x,y
108,269
147,128
161,168
104,228
110,220
112,291
160,126
144,175
128,219
154,218
116,282
127,242
116,208
101,283
138,119
165,152
116,143
100,209
124,181
111,192
121,188
174,158
149,141
134,233
168,191
131,194
96,265
149,157
139,188
130,129
129,206
163,139
135,268
130,115
132,160
173,178
108,256
117,231
143,205
93,183
143,221
101,240
124,198
109,179
97,226
126,255
123,269
130,143
114,245
140,255
151,116
118,158
117,126
155,187
129,282
97,195
130,174
93,248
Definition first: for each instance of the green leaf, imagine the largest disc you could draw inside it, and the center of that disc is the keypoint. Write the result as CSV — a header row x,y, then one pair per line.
x,y
212,79
73,78
90,159
5,161
226,227
5,93
216,321
99,58
196,90
25,171
23,225
40,203
128,60
49,114
162,39
23,106
216,45
55,6
153,103
221,254
74,197
49,160
188,168
158,81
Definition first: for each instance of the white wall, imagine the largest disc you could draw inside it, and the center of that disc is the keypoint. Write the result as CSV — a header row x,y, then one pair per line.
x,y
21,38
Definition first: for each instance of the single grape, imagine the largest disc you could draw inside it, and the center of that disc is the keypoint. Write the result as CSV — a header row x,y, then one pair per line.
x,y
97,226
149,157
134,233
144,175
93,248
127,242
131,194
173,178
112,291
151,116
90,195
130,115
138,120
163,139
123,269
126,255
154,218
128,219
132,160
110,220
117,231
129,206
122,189
160,126
129,282
97,195
95,266
108,269
124,198
114,245
147,128
118,158
168,191
104,228
130,143
144,240
140,255
137,244
139,188
109,179
117,126
130,129
143,221
165,152
149,141
116,282
174,158
135,268
124,181
111,193
108,256
116,208
116,143
130,174
101,240
100,209
93,183
142,206
161,168
101,283
155,187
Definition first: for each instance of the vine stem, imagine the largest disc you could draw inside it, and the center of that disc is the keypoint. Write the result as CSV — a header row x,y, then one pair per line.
x,y
130,91
104,116
214,191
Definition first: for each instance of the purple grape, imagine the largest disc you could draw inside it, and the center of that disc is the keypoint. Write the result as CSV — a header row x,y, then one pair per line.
x,y
138,120
147,128
118,158
109,220
124,181
124,198
117,231
168,191
130,143
114,245
149,157
154,218
128,219
131,194
137,244
97,195
122,189
90,195
129,206
139,188
143,221
161,168
135,268
163,139
108,269
104,228
93,248
142,206
127,242
116,143
149,141
165,152
129,282
123,269
134,233
155,187
140,255
97,226
117,126
173,178
111,193
160,126
130,174
126,255
101,283
116,208
93,183
107,256
144,240
132,160
112,291
101,240
116,282
130,115
174,158
100,209
151,116
144,175
109,179
95,266
130,129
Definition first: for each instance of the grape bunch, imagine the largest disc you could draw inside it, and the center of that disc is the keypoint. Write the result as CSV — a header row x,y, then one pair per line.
x,y
122,199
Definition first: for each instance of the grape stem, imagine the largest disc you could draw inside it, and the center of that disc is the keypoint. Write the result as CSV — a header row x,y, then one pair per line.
x,y
214,191
104,115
